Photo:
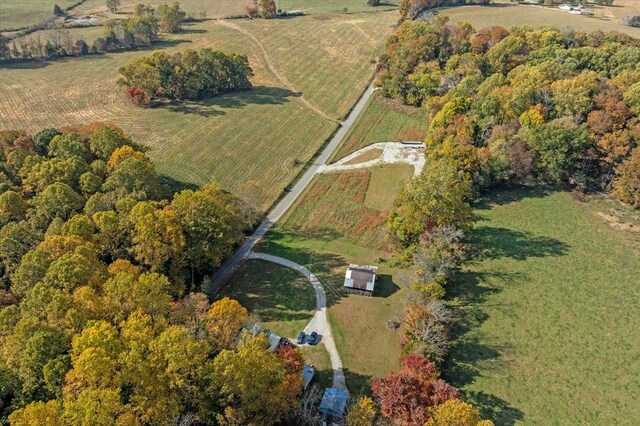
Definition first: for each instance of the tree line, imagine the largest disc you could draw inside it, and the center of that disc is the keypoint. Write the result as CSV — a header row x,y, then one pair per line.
x,y
141,29
526,106
411,9
542,106
99,321
188,75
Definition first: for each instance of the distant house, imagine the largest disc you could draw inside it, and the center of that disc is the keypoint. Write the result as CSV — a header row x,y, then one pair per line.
x,y
334,403
308,371
360,279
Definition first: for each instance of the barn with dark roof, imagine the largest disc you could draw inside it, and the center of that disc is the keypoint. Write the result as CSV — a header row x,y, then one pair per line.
x,y
360,279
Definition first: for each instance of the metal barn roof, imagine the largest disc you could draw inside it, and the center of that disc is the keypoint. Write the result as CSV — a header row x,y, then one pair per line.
x,y
334,402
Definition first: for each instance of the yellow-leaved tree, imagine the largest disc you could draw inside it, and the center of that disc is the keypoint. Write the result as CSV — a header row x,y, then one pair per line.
x,y
456,412
362,413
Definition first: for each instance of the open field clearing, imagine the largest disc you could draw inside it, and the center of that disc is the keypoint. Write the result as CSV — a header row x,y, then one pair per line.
x,y
548,333
384,120
282,298
224,8
351,206
341,219
87,33
265,134
510,15
20,13
622,8
195,8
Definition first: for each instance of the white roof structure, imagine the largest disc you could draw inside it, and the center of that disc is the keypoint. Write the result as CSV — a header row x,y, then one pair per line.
x,y
359,277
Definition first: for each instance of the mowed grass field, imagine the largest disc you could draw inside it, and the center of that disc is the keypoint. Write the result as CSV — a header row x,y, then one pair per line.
x,y
341,219
309,71
283,299
224,8
16,14
383,120
548,332
20,13
507,15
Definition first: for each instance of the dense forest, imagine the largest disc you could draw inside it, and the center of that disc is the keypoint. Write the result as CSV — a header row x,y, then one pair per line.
x,y
543,106
97,322
526,106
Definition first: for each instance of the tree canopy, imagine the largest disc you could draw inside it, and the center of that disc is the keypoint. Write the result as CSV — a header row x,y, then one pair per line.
x,y
98,322
188,75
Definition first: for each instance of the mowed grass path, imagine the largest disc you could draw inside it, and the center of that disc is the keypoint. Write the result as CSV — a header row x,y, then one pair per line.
x,y
341,219
263,135
550,313
508,15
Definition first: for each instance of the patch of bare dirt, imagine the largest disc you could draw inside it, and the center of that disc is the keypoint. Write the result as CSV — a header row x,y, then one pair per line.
x,y
617,224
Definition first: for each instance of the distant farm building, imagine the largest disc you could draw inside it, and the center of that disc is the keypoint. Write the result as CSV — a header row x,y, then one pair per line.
x,y
334,403
360,279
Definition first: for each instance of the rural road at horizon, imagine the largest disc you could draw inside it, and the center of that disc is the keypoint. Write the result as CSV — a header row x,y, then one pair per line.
x,y
281,208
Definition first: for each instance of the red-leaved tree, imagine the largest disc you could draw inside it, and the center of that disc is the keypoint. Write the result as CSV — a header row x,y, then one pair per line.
x,y
406,395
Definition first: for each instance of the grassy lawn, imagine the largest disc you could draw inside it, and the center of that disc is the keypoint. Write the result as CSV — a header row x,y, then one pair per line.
x,y
283,299
383,120
507,15
550,314
341,219
321,7
224,8
372,154
319,358
262,135
20,13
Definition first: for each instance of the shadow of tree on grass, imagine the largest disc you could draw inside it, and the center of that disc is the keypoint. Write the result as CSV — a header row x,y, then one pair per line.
x,y
216,106
471,291
490,242
385,286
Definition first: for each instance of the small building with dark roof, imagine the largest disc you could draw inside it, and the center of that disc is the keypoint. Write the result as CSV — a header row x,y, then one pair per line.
x,y
308,371
334,403
360,279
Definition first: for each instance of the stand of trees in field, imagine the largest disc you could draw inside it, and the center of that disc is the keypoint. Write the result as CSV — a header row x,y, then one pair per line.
x,y
97,322
526,106
188,75
631,21
141,29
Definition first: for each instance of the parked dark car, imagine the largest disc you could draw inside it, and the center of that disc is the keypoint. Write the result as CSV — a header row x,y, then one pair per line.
x,y
301,338
313,338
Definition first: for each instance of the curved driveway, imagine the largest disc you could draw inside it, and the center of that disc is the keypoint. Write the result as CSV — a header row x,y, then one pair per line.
x,y
319,322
